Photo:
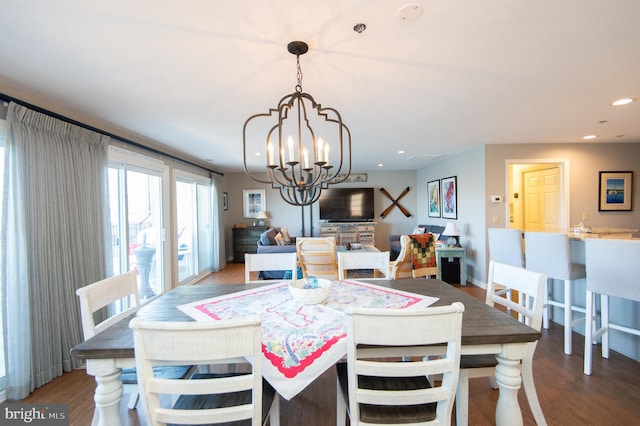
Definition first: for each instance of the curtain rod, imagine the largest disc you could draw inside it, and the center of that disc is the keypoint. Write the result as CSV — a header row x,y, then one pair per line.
x,y
7,98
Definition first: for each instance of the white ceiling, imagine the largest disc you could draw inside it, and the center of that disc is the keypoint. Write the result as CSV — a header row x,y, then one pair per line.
x,y
187,74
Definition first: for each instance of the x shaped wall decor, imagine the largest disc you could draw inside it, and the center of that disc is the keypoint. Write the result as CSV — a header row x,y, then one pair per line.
x,y
394,203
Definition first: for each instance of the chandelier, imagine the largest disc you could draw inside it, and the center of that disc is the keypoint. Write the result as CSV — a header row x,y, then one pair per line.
x,y
307,146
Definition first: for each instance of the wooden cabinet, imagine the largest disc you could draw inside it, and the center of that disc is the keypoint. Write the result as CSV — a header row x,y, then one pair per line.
x,y
245,240
350,232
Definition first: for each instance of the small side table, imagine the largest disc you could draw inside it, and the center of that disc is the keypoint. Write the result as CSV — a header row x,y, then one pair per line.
x,y
447,252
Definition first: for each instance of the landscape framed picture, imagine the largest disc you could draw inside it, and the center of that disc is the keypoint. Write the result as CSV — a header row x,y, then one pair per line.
x,y
450,198
433,189
615,191
253,202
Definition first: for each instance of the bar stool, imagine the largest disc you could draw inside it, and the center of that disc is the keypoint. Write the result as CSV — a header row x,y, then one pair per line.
x,y
550,253
612,270
505,246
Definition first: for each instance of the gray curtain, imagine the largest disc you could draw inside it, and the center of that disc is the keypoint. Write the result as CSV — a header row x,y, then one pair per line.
x,y
219,246
56,238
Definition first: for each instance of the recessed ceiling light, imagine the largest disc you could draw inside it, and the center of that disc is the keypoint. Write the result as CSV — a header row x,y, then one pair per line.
x,y
258,154
401,151
589,137
380,165
623,101
410,12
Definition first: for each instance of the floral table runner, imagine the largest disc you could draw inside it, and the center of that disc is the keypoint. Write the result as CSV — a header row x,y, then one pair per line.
x,y
299,342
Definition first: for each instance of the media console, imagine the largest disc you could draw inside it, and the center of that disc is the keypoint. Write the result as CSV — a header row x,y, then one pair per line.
x,y
350,232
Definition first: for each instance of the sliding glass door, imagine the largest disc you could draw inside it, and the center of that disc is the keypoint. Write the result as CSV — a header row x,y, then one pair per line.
x,y
194,225
138,224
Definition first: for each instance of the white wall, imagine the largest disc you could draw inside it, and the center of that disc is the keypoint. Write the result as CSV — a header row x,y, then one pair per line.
x,y
469,169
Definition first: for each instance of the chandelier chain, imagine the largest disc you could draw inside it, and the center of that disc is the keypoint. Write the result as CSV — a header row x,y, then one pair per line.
x,y
298,75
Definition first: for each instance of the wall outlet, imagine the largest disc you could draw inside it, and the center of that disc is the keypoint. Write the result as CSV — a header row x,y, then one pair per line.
x,y
496,219
585,216
496,198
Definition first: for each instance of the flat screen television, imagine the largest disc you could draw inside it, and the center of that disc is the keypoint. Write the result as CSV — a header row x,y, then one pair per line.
x,y
346,204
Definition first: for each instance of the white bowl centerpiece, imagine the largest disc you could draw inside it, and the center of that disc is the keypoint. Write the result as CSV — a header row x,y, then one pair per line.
x,y
310,290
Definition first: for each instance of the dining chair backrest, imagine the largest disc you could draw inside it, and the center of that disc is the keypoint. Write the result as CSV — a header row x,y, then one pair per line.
x,y
317,256
199,343
423,255
101,294
256,262
506,246
393,381
403,266
528,285
377,261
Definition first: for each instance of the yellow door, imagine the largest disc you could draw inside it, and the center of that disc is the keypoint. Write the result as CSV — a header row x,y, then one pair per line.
x,y
542,199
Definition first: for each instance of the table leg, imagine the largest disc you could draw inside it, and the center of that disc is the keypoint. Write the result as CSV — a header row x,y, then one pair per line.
x,y
509,380
108,391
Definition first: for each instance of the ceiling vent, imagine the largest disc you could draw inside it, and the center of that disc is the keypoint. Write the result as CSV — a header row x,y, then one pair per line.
x,y
424,157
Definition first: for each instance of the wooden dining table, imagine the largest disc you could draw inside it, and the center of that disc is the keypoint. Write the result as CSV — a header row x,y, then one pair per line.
x,y
485,330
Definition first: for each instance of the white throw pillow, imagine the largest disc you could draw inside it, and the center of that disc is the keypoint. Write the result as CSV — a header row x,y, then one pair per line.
x,y
418,231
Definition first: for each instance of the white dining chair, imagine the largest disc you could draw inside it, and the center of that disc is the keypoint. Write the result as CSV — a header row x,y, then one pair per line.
x,y
317,256
108,301
550,253
613,270
204,398
257,262
377,389
403,266
378,261
530,288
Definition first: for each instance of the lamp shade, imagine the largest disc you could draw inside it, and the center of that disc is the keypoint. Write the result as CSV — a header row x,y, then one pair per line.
x,y
451,230
262,215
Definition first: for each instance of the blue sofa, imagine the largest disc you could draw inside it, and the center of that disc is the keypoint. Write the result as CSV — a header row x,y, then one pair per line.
x,y
394,240
267,244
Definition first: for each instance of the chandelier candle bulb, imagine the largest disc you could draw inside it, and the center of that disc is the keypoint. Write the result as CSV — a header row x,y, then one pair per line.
x,y
305,154
290,143
270,154
326,154
320,150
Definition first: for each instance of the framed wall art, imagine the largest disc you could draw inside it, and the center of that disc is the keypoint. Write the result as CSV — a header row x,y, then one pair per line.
x,y
433,189
254,201
615,191
450,198
225,201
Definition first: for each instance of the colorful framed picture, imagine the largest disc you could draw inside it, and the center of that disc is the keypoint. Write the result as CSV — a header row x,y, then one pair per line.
x,y
254,201
450,198
433,190
615,191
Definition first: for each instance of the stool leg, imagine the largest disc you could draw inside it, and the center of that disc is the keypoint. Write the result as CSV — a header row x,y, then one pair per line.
x,y
546,307
588,332
567,317
604,324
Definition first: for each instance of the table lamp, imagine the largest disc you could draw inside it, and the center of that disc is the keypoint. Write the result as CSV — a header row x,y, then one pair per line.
x,y
452,233
262,215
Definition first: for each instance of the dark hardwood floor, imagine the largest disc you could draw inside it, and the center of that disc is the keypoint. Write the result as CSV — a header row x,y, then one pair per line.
x,y
611,396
